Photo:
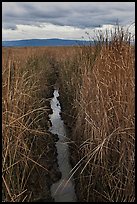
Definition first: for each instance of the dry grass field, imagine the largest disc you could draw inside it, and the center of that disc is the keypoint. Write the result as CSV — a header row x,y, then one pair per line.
x,y
97,94
27,78
98,98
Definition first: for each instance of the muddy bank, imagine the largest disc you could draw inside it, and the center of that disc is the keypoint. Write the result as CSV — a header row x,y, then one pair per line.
x,y
45,172
45,175
73,148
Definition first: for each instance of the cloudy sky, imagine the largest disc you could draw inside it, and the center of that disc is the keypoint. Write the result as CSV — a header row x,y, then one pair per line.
x,y
66,20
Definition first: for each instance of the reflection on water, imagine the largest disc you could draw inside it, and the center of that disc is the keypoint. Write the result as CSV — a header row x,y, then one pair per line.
x,y
63,190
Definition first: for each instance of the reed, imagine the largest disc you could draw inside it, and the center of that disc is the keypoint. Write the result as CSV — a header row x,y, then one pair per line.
x,y
97,95
98,88
25,89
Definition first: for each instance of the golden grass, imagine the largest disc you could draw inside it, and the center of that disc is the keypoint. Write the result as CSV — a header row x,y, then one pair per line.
x,y
99,94
25,87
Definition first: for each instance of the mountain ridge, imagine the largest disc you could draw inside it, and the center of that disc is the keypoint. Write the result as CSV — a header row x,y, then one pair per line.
x,y
44,42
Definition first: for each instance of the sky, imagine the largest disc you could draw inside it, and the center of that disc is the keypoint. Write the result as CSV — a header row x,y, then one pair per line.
x,y
64,20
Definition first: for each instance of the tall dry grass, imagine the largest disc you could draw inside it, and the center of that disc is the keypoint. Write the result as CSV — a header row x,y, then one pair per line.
x,y
97,93
98,90
26,78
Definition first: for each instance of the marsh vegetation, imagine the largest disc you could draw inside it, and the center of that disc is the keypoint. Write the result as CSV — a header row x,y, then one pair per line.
x,y
97,96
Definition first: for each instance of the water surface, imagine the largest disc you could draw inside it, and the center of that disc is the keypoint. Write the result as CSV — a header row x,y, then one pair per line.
x,y
63,190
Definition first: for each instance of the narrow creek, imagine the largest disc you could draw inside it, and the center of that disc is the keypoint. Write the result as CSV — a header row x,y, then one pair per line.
x,y
63,190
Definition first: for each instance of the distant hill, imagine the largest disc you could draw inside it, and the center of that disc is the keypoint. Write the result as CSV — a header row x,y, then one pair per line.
x,y
43,42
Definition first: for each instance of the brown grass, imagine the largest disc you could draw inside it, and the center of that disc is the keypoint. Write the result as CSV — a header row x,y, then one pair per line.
x,y
98,92
26,79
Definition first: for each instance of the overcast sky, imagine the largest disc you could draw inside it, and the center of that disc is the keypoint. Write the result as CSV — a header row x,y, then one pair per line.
x,y
66,20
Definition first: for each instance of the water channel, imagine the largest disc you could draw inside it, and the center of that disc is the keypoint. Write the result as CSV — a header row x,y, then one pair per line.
x,y
63,190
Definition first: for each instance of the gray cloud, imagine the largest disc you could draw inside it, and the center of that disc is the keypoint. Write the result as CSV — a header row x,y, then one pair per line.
x,y
77,14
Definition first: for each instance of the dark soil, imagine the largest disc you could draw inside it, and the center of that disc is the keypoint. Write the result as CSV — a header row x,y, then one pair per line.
x,y
45,154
